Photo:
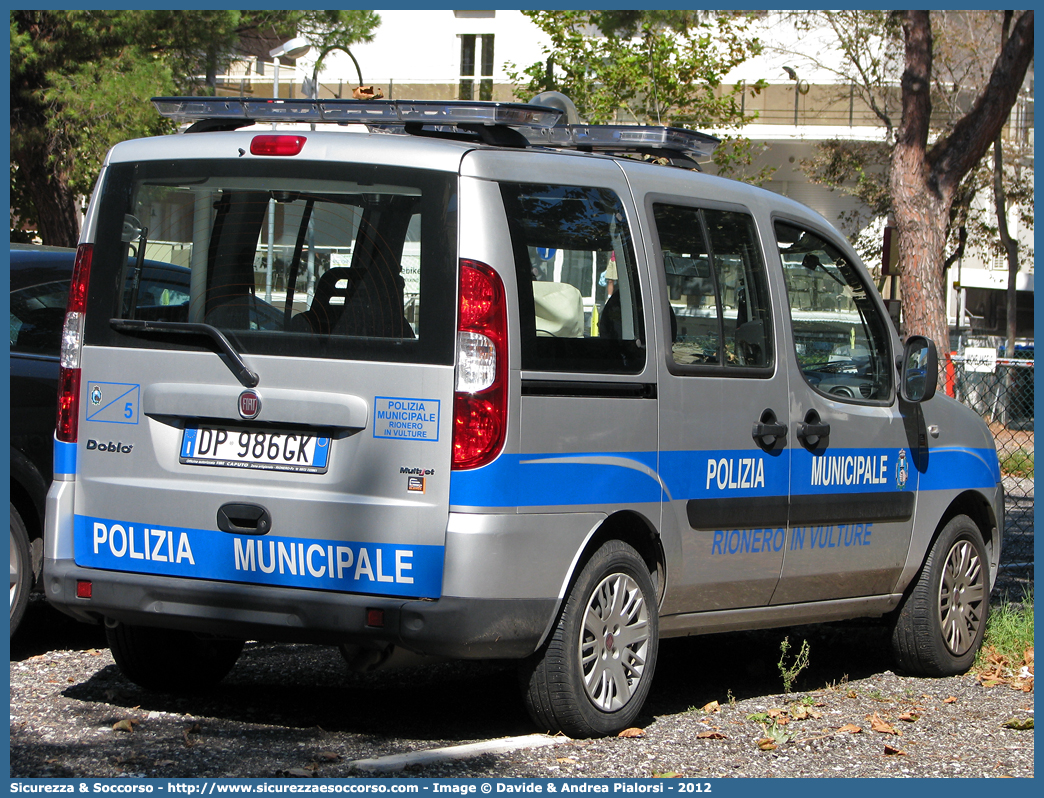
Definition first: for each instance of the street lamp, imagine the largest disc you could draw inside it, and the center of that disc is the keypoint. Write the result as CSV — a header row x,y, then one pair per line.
x,y
800,87
294,48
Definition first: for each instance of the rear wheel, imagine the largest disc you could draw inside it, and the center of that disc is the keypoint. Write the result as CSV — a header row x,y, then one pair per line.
x,y
592,676
941,622
21,569
171,661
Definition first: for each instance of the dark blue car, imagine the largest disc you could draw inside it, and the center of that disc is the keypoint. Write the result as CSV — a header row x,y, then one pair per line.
x,y
40,279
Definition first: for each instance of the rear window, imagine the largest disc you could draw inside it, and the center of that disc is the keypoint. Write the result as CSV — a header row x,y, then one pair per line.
x,y
299,259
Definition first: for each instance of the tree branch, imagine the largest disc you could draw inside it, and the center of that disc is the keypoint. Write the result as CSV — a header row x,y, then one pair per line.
x,y
955,155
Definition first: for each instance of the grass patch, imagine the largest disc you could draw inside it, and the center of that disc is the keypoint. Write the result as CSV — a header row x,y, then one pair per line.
x,y
1018,464
1009,631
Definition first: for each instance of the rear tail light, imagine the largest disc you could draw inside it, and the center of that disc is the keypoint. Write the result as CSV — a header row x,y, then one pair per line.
x,y
480,398
72,343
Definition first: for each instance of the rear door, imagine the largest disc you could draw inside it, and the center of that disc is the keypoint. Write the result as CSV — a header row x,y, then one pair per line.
x,y
267,374
723,404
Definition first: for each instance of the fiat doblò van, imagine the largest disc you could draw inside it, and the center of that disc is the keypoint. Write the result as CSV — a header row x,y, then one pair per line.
x,y
458,379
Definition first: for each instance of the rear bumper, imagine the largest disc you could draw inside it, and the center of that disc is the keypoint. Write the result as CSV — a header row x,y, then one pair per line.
x,y
459,628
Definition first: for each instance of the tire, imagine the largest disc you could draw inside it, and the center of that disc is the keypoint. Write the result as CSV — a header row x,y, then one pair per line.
x,y
21,569
941,622
592,676
171,661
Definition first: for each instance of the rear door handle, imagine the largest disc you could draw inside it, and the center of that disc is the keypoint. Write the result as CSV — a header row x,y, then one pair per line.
x,y
244,519
768,431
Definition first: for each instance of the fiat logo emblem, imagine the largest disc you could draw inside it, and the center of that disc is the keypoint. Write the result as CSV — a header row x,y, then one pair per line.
x,y
249,404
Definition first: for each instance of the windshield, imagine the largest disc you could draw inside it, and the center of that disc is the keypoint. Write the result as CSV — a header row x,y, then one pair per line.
x,y
301,258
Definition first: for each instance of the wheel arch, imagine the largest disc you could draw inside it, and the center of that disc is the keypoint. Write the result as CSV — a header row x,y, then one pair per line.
x,y
635,530
981,511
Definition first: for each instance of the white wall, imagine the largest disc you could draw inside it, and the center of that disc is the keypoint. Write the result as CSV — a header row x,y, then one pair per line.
x,y
423,46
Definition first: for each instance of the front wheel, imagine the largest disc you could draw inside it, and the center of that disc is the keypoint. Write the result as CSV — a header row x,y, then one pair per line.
x,y
940,624
171,661
592,676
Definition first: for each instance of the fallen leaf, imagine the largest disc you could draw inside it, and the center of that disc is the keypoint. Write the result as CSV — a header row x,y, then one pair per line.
x,y
329,756
879,725
852,694
908,717
1019,724
850,728
710,735
632,732
670,774
767,744
125,725
566,760
804,713
93,652
951,700
889,751
776,712
711,708
367,93
301,772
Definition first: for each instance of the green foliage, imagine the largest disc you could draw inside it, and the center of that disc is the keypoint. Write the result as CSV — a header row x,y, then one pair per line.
x,y
651,68
81,80
1009,630
1018,464
790,672
645,67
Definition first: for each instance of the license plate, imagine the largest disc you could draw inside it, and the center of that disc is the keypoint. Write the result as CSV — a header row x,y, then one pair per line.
x,y
243,448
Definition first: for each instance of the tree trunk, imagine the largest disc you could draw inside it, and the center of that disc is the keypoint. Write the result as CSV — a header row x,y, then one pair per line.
x,y
924,182
920,205
57,217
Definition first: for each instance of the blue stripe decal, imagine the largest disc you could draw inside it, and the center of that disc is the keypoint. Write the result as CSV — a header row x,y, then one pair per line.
x,y
64,457
384,569
537,480
969,468
614,478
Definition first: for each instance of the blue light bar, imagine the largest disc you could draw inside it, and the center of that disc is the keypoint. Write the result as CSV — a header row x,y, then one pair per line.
x,y
344,111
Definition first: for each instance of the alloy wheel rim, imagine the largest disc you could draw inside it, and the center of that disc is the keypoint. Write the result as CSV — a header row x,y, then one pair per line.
x,y
614,642
961,596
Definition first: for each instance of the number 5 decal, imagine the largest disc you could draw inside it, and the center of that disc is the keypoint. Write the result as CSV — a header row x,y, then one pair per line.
x,y
113,402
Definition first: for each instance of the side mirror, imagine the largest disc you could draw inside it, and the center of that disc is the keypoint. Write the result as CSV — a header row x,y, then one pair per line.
x,y
919,369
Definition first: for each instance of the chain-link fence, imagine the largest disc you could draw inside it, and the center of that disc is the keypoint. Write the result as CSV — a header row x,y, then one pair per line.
x,y
1002,393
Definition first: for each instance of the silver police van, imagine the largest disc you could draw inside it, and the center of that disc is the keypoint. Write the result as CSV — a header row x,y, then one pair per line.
x,y
465,381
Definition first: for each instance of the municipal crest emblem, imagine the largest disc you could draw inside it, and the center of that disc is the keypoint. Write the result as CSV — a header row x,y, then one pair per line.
x,y
902,470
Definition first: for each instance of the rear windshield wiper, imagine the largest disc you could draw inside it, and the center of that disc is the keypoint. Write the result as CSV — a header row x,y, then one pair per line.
x,y
238,366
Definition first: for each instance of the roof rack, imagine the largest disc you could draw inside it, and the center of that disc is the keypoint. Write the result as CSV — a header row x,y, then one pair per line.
x,y
343,111
503,124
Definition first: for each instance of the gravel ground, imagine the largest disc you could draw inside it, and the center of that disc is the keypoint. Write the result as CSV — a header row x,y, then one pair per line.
x,y
294,711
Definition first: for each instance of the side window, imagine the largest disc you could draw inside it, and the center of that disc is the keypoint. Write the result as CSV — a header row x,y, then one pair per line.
x,y
579,303
717,288
37,317
840,337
